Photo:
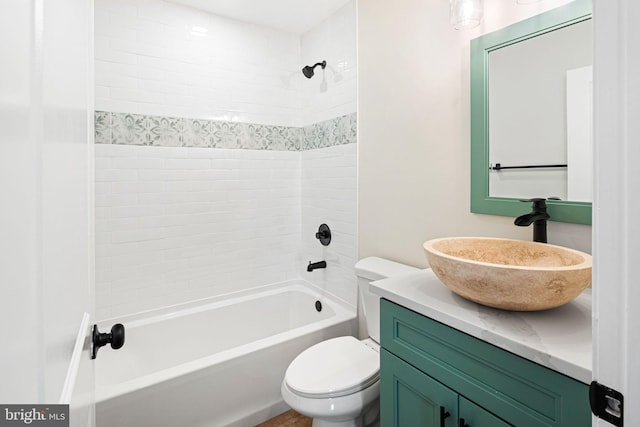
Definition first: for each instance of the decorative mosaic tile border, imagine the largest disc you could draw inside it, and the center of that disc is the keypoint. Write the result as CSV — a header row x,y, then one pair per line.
x,y
138,129
338,131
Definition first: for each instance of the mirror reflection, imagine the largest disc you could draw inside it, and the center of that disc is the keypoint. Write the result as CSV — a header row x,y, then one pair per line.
x,y
540,116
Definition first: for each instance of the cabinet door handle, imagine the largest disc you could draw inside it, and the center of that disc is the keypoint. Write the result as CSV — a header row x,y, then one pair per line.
x,y
462,423
443,415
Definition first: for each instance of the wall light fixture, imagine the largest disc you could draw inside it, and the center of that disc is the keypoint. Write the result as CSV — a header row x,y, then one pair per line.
x,y
466,14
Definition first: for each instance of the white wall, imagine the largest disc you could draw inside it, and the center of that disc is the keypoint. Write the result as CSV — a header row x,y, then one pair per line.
x,y
149,61
413,135
45,169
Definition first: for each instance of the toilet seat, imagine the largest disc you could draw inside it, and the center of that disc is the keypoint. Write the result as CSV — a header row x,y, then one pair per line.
x,y
333,368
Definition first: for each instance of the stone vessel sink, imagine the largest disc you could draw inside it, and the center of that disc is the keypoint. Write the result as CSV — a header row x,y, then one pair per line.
x,y
509,274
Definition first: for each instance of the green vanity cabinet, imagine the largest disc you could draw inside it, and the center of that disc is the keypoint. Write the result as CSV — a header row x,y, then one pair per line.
x,y
429,370
416,398
472,415
411,398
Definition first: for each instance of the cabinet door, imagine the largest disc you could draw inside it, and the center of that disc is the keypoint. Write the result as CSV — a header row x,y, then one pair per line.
x,y
409,398
471,415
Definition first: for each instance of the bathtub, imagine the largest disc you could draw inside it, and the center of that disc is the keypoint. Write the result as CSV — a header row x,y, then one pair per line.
x,y
216,362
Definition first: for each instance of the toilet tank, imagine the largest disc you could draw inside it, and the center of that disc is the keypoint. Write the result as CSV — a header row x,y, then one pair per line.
x,y
368,270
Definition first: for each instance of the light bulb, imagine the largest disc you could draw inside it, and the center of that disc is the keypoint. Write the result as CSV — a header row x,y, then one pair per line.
x,y
466,14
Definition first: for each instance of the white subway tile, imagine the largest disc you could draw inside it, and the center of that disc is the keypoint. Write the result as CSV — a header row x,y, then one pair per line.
x,y
188,163
115,175
137,187
109,81
153,245
132,21
113,55
163,87
188,208
104,27
107,200
102,92
135,95
154,198
107,249
111,105
122,7
137,235
187,186
155,64
113,224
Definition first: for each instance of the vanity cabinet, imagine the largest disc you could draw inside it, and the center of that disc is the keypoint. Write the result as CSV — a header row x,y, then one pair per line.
x,y
419,400
434,375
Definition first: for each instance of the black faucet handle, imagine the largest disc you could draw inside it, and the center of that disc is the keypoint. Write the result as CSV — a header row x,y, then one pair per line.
x,y
324,234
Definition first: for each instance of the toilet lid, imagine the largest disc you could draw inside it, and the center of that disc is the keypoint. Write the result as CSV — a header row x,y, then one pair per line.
x,y
332,368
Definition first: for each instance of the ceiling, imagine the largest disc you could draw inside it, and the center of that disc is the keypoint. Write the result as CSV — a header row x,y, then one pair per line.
x,y
295,16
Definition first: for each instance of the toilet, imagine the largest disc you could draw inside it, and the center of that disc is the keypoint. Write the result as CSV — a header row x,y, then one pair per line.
x,y
336,382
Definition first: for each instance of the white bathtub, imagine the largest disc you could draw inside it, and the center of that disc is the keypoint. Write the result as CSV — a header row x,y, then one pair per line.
x,y
215,362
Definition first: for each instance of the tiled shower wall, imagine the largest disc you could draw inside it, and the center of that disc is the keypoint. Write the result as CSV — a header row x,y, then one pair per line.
x,y
163,59
332,91
212,184
175,224
329,195
329,180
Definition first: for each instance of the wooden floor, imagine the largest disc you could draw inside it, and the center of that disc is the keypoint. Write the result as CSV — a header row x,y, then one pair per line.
x,y
288,419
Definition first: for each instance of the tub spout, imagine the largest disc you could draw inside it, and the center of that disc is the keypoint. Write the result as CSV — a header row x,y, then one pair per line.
x,y
313,265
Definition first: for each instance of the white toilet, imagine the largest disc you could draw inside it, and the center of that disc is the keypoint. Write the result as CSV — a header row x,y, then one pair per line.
x,y
336,382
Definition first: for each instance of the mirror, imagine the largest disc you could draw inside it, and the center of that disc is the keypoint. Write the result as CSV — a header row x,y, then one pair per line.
x,y
531,94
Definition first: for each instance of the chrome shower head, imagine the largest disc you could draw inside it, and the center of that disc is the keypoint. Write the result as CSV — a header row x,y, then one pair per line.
x,y
308,70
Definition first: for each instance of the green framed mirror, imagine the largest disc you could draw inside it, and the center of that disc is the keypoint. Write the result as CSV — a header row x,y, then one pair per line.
x,y
531,95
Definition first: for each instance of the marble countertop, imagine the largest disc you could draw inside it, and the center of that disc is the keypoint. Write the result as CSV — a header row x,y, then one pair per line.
x,y
559,339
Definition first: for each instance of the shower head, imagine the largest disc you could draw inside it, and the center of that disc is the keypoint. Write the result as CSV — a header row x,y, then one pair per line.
x,y
308,70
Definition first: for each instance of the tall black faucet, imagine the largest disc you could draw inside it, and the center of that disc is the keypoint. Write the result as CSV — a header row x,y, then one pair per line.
x,y
538,216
